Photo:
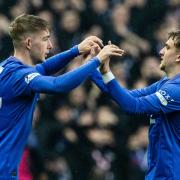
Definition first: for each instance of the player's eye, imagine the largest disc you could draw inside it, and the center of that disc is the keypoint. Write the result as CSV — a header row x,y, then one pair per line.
x,y
46,38
167,46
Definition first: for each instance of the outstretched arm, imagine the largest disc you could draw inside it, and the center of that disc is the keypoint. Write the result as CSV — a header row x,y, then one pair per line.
x,y
96,77
28,80
163,100
65,82
144,91
56,62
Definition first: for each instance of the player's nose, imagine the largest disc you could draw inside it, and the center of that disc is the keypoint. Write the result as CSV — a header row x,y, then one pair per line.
x,y
161,52
50,46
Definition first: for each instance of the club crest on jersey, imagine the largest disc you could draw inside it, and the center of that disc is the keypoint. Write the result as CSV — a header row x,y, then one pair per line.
x,y
30,77
164,97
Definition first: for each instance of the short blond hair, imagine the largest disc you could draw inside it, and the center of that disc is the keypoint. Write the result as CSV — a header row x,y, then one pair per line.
x,y
26,24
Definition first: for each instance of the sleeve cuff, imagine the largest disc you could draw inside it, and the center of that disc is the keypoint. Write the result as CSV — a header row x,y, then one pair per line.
x,y
108,77
75,51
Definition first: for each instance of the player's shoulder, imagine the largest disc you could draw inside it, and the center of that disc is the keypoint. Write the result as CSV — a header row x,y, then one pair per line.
x,y
13,65
12,70
175,80
172,86
10,61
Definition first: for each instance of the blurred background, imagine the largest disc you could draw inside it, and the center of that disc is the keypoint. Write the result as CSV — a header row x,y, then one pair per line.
x,y
83,135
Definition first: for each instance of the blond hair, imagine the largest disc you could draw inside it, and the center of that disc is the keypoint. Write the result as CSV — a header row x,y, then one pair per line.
x,y
26,24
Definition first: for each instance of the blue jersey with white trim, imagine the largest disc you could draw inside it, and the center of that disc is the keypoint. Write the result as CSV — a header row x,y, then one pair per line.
x,y
19,88
161,101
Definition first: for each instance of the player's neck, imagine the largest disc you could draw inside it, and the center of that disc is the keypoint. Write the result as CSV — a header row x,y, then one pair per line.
x,y
173,72
23,56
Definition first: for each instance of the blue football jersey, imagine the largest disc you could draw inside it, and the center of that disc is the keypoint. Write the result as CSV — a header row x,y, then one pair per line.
x,y
17,104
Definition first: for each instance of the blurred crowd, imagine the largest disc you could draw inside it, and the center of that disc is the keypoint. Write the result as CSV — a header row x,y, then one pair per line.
x,y
83,135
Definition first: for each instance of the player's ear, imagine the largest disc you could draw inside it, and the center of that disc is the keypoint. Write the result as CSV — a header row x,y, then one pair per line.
x,y
28,43
178,58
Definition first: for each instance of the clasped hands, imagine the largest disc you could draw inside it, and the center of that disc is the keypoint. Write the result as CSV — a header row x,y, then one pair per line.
x,y
93,46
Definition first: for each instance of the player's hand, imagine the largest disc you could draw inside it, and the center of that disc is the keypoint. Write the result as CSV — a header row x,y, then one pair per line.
x,y
104,67
87,44
108,51
93,52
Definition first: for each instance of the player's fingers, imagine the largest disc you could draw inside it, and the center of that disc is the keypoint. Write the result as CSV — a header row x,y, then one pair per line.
x,y
97,48
94,50
116,54
91,43
116,47
117,50
98,41
109,42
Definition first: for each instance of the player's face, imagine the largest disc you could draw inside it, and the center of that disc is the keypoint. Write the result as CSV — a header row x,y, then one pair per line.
x,y
168,55
40,46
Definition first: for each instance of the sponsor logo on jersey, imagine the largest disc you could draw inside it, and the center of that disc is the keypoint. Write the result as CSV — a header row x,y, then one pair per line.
x,y
30,77
164,97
